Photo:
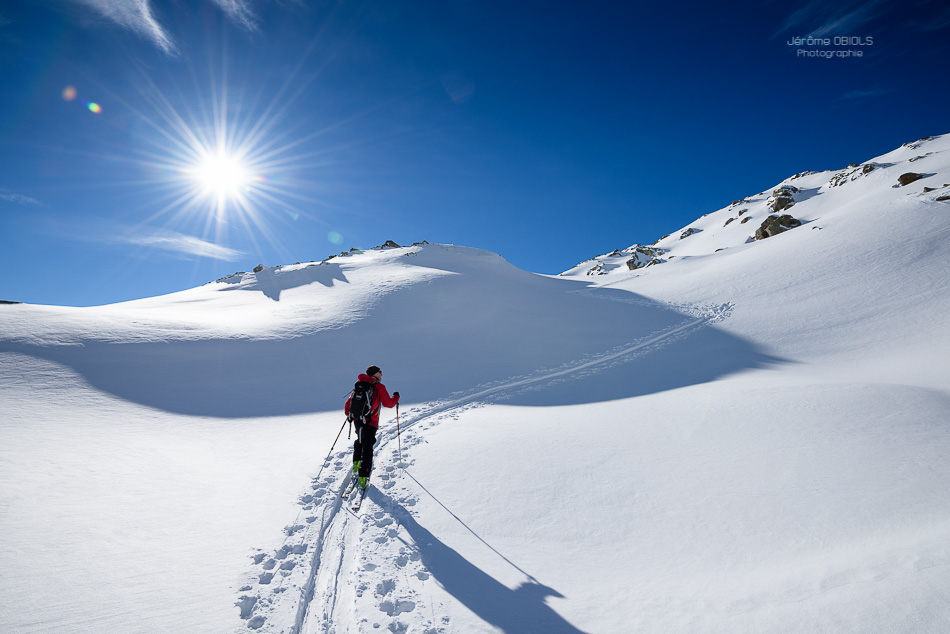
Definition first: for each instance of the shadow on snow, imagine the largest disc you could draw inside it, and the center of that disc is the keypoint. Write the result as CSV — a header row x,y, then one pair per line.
x,y
435,339
272,282
522,610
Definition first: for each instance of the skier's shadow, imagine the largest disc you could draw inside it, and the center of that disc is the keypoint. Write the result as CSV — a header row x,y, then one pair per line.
x,y
522,610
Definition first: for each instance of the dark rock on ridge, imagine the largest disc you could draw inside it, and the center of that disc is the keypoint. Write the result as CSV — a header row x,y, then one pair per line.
x,y
774,225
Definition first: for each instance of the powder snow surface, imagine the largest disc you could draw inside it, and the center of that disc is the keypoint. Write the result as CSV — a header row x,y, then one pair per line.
x,y
750,436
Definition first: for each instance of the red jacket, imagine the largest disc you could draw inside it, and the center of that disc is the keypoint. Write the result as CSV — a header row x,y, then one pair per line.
x,y
380,396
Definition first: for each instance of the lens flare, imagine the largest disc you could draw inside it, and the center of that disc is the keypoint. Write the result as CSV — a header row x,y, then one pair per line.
x,y
94,107
69,93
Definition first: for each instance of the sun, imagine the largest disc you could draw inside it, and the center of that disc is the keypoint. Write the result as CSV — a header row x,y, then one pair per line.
x,y
222,175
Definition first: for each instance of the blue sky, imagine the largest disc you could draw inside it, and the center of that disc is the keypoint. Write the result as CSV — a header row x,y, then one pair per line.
x,y
150,146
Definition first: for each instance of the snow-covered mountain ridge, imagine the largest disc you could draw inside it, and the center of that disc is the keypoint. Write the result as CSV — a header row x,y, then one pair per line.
x,y
808,196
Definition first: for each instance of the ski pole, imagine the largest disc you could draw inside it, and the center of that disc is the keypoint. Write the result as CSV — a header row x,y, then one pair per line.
x,y
327,459
337,436
398,433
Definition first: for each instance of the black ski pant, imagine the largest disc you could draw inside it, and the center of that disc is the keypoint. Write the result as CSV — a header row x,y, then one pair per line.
x,y
363,448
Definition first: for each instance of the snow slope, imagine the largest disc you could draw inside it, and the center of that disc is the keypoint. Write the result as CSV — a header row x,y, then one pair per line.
x,y
747,437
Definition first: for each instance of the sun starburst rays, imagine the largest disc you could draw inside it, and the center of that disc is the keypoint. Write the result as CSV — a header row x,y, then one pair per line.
x,y
241,165
227,172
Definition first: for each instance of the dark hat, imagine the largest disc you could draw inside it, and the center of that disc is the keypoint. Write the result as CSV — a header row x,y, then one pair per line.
x,y
372,370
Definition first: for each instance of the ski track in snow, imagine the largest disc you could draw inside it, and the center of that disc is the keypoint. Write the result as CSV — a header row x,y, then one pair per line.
x,y
306,584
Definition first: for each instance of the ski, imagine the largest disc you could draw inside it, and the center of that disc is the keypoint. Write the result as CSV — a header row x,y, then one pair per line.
x,y
358,499
349,488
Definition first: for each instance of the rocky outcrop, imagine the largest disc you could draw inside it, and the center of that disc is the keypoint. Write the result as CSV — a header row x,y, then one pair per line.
x,y
908,177
644,257
916,144
774,225
782,198
689,232
343,254
853,173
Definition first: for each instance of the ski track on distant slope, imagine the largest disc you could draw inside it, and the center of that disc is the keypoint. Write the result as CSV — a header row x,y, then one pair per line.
x,y
300,586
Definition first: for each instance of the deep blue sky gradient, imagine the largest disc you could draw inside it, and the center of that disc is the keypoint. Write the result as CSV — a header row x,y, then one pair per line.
x,y
547,132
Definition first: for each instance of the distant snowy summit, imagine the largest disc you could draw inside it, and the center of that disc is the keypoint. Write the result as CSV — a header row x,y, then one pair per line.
x,y
389,244
920,170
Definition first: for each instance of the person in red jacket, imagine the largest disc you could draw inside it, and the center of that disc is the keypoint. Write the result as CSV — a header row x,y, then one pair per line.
x,y
367,420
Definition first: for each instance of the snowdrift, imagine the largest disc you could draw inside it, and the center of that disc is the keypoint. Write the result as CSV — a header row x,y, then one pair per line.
x,y
290,341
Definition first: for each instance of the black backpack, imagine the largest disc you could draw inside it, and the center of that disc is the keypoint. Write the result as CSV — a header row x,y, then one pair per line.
x,y
361,402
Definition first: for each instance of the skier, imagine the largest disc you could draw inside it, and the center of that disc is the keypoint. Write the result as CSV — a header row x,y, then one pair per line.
x,y
362,408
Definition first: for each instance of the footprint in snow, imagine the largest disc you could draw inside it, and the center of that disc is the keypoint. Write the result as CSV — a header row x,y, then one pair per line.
x,y
256,623
385,586
246,604
395,608
287,549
